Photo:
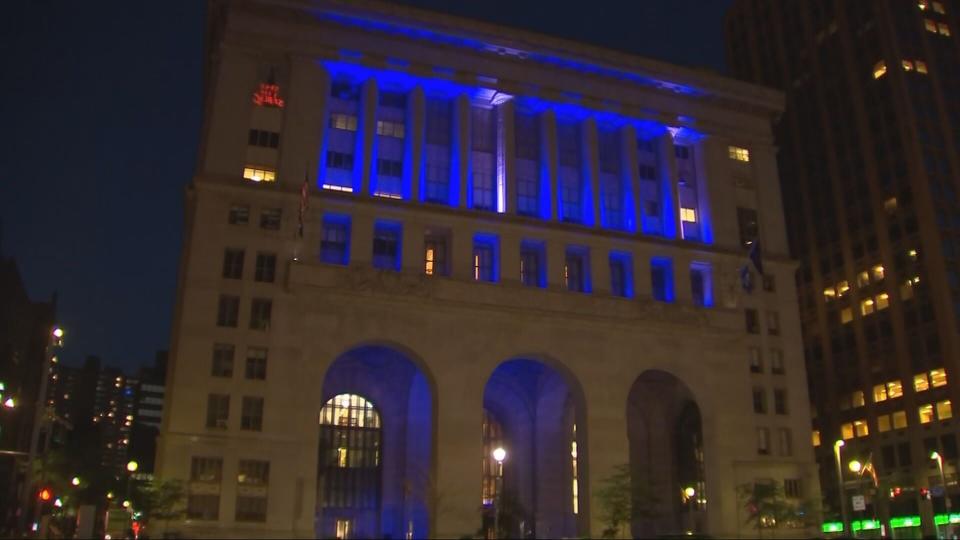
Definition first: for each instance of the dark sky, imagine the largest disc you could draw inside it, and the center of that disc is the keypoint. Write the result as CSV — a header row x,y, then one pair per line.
x,y
101,105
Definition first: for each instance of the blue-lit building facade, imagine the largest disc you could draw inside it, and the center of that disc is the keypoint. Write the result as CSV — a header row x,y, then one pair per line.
x,y
412,239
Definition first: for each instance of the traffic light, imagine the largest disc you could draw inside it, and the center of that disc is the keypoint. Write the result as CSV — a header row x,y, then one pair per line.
x,y
45,494
924,493
895,491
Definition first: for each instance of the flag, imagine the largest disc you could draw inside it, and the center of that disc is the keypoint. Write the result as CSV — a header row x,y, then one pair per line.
x,y
304,201
754,258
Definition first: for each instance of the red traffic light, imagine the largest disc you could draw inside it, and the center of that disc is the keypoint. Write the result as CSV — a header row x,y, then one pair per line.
x,y
45,494
896,491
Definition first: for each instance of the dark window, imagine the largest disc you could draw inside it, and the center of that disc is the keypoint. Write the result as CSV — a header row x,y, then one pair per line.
x,y
701,286
256,363
218,411
207,470
239,214
769,283
773,323
791,487
266,267
253,472
386,246
661,279
251,508
251,414
621,275
260,309
903,454
756,361
233,263
485,259
397,100
270,219
335,246
339,160
222,360
780,401
574,271
759,400
228,311
203,507
389,167
531,264
266,139
889,456
747,222
752,321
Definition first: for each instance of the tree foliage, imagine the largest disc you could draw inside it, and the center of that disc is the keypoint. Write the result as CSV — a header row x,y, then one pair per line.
x,y
159,499
622,501
768,507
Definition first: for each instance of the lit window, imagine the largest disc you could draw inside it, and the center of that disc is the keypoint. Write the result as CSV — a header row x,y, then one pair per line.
x,y
815,437
346,122
906,290
343,529
920,383
925,413
575,475
894,389
879,393
883,423
944,410
890,205
938,378
863,279
866,306
857,398
899,419
861,428
907,65
930,25
878,272
258,175
879,69
842,288
938,7
883,301
739,154
921,66
390,129
943,29
846,431
912,254
829,293
846,315
688,214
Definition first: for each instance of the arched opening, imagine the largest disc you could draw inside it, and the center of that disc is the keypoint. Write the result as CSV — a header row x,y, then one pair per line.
x,y
531,410
666,457
375,461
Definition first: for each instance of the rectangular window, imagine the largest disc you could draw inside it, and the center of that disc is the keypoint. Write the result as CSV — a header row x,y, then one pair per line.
x,y
389,167
260,311
253,472
251,414
438,132
650,185
621,274
688,214
390,129
335,246
779,401
752,321
206,470
899,420
527,145
701,284
894,389
747,223
815,438
786,441
925,412
571,189
435,255
944,410
239,214
773,323
228,311
259,174
857,399
340,160
575,270
776,362
266,267
483,146
938,378
386,245
485,258
222,365
879,393
846,431
256,363
266,139
759,400
611,181
346,122
737,153
756,360
218,411
270,219
233,263
861,428
203,507
532,267
390,148
920,382
251,509
791,488
883,423
763,441
661,279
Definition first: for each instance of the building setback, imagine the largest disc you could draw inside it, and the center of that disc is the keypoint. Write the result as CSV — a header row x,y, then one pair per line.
x,y
413,238
869,164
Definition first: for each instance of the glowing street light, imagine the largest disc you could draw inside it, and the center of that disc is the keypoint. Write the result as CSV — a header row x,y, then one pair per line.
x,y
58,332
75,481
689,492
499,454
126,504
943,481
133,466
10,403
843,498
109,495
855,466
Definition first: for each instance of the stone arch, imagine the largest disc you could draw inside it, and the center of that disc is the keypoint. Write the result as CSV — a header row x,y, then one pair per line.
x,y
537,402
665,433
397,381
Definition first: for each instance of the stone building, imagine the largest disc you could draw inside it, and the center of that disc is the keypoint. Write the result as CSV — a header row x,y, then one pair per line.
x,y
414,238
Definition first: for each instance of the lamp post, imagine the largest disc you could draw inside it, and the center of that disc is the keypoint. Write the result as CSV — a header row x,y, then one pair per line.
x,y
499,454
943,482
857,468
843,503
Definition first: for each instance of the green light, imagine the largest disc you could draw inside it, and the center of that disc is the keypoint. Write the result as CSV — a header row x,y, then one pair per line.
x,y
832,526
943,519
865,525
904,521
2,386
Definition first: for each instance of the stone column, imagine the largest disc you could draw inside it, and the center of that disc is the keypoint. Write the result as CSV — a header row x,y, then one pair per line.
x,y
368,135
591,173
361,240
600,270
642,285
510,256
681,278
416,120
556,259
548,162
606,445
412,247
507,155
304,125
461,253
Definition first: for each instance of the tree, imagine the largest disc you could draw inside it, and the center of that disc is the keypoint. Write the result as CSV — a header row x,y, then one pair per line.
x,y
767,506
622,501
160,499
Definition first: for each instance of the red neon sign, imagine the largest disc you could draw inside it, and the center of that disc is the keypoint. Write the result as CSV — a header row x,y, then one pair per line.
x,y
268,95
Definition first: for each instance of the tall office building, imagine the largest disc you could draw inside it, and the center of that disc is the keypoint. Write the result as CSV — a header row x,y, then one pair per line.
x,y
412,239
868,155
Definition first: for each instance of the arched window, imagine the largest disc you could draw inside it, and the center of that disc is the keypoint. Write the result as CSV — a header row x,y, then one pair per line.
x,y
492,438
349,465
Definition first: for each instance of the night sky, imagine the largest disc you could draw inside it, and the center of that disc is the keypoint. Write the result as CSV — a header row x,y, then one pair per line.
x,y
101,103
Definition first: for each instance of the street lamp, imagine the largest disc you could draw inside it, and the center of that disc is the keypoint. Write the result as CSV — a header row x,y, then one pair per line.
x,y
133,466
10,403
843,503
943,481
75,481
499,454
